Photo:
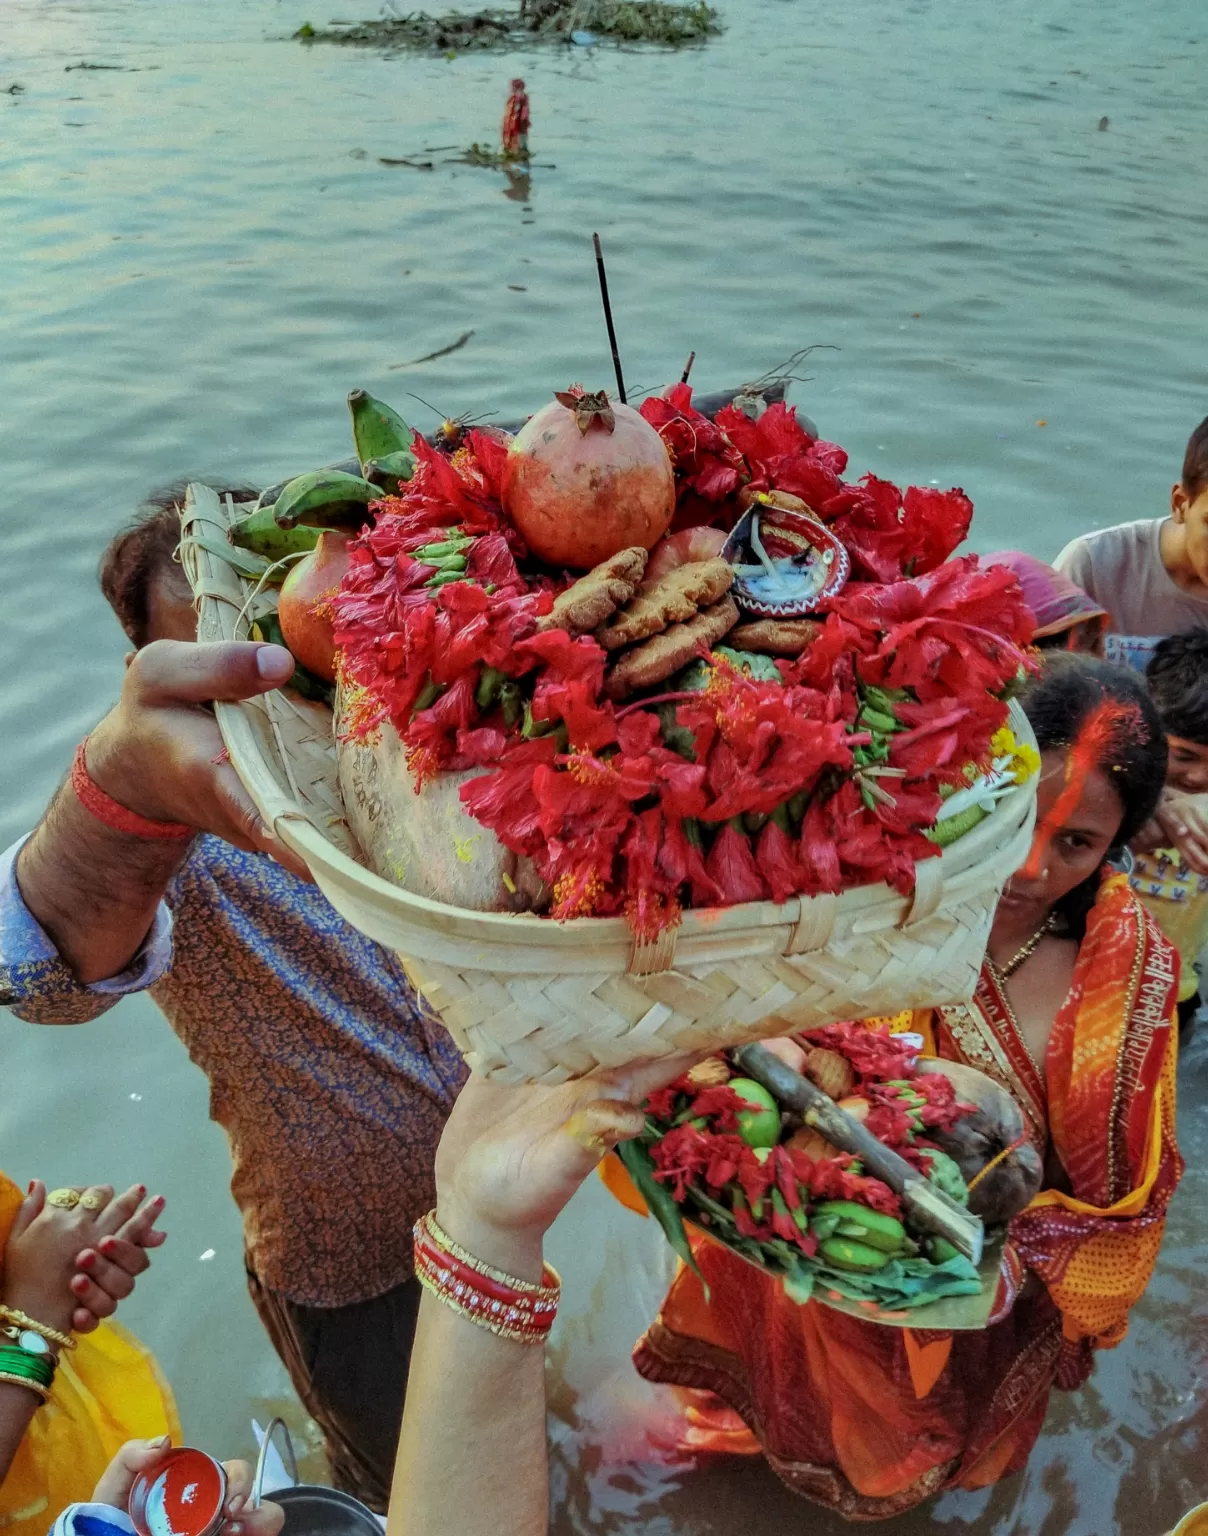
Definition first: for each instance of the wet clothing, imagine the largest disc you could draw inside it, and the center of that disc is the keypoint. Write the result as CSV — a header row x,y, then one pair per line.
x,y
106,1391
870,1420
349,1367
330,1078
1121,569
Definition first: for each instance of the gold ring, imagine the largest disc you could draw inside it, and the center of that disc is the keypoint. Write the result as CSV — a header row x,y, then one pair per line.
x,y
65,1199
92,1202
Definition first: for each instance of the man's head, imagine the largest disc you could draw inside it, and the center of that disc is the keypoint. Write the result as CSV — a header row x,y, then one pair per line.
x,y
1189,501
141,577
1178,685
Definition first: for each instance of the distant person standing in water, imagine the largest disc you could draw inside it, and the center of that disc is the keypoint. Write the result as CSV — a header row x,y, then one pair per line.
x,y
1150,575
516,123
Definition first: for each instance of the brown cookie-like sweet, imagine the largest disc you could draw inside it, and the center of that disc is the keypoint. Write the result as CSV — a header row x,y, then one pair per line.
x,y
657,658
673,599
782,499
587,602
774,637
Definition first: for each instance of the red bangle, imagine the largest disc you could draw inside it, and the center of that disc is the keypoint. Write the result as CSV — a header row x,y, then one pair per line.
x,y
117,817
514,1309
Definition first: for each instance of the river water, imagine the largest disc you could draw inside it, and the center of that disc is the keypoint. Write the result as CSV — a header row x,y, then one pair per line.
x,y
991,217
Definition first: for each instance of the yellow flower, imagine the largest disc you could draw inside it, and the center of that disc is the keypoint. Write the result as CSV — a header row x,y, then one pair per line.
x,y
1025,760
1026,764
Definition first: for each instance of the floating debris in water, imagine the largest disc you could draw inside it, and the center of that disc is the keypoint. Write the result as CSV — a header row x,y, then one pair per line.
x,y
582,22
204,1258
454,346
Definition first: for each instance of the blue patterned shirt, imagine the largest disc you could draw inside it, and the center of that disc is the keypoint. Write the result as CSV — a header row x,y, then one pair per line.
x,y
329,1077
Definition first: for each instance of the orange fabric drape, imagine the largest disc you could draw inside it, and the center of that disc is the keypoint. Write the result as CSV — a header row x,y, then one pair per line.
x,y
106,1391
870,1420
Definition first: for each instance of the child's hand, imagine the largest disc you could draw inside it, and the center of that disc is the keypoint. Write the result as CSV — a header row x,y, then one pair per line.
x,y
1184,822
40,1260
141,1456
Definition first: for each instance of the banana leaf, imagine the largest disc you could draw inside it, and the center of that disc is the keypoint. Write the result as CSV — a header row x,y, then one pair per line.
x,y
658,1201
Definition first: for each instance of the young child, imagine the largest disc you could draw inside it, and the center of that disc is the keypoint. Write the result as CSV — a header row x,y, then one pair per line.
x,y
1152,575
1176,896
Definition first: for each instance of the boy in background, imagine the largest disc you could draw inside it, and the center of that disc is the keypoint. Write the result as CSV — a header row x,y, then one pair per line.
x,y
1175,894
1151,575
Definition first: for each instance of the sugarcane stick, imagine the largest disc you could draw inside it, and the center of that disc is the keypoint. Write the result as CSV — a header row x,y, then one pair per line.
x,y
929,1208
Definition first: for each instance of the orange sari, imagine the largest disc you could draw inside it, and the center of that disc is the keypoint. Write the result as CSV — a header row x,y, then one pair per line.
x,y
871,1420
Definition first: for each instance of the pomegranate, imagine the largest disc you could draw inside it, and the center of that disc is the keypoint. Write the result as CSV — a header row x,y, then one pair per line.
x,y
585,478
683,548
304,607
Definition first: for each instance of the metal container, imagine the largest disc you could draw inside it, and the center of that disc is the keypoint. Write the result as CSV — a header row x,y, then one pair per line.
x,y
184,1494
311,1510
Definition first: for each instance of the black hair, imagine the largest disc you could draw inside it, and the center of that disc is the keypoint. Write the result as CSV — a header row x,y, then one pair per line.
x,y
1177,675
1057,703
144,550
1195,461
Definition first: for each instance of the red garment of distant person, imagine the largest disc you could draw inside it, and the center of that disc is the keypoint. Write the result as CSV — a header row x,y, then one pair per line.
x,y
516,121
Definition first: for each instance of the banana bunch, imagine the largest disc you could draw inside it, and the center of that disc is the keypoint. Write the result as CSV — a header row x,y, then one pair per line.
x,y
291,522
852,1237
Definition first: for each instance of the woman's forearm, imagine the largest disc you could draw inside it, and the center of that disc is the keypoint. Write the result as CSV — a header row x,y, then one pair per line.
x,y
472,1453
17,1407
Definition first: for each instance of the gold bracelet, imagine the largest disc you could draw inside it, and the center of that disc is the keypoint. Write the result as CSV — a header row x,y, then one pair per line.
x,y
23,1320
24,1381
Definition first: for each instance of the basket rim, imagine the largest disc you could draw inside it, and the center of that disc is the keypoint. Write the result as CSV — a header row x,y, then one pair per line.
x,y
597,942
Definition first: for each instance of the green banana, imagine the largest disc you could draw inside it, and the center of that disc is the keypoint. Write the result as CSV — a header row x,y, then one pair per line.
x,y
390,470
261,533
377,428
944,1172
878,720
325,498
490,682
952,827
846,1253
866,1226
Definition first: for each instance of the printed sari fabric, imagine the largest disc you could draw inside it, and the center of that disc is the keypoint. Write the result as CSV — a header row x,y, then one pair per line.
x,y
106,1391
871,1420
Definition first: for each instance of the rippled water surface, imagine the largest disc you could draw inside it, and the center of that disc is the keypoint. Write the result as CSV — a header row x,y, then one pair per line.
x,y
200,253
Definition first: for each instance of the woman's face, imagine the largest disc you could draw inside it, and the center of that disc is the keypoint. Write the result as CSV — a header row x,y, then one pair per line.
x,y
1073,851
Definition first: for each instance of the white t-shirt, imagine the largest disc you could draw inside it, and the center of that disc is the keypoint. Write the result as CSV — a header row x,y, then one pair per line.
x,y
1121,568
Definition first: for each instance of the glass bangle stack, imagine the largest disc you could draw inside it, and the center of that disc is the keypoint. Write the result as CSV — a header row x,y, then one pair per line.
x,y
26,1360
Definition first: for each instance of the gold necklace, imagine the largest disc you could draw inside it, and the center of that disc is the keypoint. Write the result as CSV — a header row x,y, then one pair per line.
x,y
1025,950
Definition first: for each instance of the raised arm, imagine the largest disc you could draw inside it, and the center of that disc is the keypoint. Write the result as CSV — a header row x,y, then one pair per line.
x,y
472,1454
95,890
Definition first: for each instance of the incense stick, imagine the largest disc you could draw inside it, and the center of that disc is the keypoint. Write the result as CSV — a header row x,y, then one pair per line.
x,y
687,367
612,335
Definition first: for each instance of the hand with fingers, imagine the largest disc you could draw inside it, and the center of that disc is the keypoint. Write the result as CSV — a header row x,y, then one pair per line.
x,y
160,753
138,1456
74,1254
1183,821
511,1158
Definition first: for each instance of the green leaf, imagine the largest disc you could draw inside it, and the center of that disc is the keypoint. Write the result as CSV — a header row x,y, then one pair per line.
x,y
659,1201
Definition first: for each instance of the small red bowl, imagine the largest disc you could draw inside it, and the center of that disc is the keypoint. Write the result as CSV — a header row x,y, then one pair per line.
x,y
184,1494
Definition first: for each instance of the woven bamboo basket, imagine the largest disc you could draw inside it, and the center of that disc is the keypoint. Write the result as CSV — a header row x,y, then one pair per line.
x,y
529,999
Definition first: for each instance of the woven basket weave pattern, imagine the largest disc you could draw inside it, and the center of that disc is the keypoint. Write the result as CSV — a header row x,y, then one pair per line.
x,y
526,998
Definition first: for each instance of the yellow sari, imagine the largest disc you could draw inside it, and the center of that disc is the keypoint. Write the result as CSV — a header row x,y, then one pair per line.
x,y
106,1391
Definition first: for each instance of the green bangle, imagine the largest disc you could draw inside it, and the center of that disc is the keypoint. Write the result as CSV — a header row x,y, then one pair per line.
x,y
20,1362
